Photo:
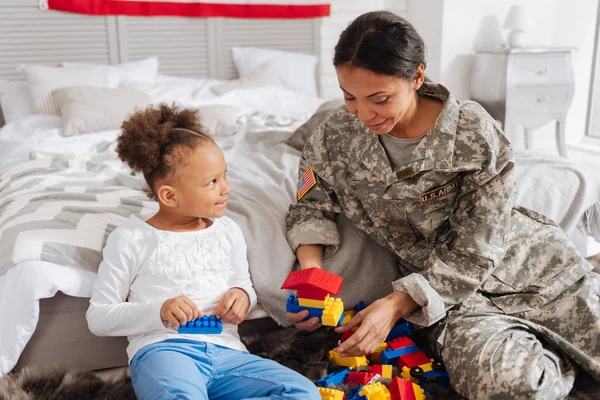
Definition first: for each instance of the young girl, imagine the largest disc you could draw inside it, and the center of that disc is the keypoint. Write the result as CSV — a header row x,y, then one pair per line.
x,y
186,261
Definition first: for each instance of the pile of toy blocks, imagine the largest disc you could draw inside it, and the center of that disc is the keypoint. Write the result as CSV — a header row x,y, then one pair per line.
x,y
314,290
371,377
368,377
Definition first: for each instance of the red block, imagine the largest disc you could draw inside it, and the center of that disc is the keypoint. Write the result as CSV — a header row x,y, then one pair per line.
x,y
413,359
359,378
346,335
401,389
313,283
400,342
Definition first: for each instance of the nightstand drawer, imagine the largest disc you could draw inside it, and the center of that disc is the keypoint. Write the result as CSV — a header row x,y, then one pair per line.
x,y
537,100
540,69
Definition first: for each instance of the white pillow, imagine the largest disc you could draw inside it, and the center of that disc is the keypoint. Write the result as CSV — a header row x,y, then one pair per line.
x,y
266,75
88,109
42,80
15,100
220,119
296,70
145,70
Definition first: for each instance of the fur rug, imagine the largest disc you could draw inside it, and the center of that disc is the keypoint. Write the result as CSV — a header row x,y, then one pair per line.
x,y
303,352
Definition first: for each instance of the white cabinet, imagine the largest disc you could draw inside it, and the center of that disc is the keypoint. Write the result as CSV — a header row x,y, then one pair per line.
x,y
527,87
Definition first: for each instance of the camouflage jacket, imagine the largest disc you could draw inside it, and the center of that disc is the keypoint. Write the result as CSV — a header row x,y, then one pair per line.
x,y
448,213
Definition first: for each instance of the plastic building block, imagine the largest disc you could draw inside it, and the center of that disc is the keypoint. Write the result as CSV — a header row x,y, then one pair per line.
x,y
333,314
346,335
292,306
331,394
376,356
351,362
441,377
354,394
417,358
206,324
312,303
334,379
349,314
384,370
400,342
359,307
405,390
359,378
313,283
376,391
402,328
388,355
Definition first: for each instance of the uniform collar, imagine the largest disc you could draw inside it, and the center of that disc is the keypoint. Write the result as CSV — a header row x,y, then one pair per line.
x,y
434,151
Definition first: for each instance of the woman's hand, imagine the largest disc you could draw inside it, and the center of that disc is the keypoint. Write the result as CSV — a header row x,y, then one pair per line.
x,y
310,324
233,306
179,310
376,321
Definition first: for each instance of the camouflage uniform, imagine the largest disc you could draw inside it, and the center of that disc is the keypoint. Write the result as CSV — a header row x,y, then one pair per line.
x,y
508,292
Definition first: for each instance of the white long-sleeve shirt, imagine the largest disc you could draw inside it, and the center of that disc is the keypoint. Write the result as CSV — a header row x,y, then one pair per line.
x,y
144,266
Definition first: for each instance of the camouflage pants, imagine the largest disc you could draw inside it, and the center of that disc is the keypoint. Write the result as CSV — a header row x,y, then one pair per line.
x,y
529,355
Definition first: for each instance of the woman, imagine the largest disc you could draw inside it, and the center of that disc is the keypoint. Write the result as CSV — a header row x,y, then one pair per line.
x,y
511,300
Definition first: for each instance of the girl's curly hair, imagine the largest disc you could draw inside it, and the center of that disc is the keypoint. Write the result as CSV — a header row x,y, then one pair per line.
x,y
150,139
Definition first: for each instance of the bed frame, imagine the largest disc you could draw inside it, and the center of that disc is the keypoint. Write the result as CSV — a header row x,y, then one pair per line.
x,y
185,47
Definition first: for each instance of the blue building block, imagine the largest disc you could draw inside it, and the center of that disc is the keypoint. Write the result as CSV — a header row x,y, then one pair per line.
x,y
334,379
206,324
402,328
353,394
292,306
359,307
389,356
441,377
341,319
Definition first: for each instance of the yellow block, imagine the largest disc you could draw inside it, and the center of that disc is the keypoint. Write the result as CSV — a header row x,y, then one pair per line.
x,y
386,371
347,317
312,303
350,362
376,356
332,312
331,394
419,392
376,391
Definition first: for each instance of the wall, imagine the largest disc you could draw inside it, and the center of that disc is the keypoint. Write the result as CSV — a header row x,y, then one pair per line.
x,y
453,29
342,13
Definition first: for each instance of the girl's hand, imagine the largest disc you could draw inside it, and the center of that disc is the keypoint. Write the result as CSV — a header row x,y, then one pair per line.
x,y
308,325
233,306
376,321
179,310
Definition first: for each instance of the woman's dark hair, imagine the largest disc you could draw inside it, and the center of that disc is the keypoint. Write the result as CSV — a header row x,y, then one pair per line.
x,y
150,140
381,42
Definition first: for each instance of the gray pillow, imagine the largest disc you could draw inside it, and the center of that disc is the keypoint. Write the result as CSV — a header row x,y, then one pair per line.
x,y
301,135
86,109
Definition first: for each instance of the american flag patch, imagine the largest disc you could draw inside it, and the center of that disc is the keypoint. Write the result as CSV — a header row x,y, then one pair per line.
x,y
307,181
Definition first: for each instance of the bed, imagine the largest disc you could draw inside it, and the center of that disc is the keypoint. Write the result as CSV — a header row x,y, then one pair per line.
x,y
44,287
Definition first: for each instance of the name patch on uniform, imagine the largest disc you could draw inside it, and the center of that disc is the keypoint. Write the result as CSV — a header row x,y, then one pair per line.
x,y
442,191
307,181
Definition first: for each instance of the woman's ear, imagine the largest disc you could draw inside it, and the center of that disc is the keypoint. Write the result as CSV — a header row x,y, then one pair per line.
x,y
167,195
419,77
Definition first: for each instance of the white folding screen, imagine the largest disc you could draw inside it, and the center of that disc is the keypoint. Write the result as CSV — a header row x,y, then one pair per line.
x,y
185,46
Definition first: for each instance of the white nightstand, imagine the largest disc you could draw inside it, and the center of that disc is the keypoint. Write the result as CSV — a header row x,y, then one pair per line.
x,y
525,86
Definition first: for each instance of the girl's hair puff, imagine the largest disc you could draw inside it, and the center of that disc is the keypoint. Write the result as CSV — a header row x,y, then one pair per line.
x,y
151,140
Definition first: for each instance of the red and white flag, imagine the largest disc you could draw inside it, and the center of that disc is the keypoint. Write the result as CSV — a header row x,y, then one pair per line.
x,y
190,8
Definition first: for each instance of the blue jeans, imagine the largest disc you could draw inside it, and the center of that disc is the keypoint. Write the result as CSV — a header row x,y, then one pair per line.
x,y
184,369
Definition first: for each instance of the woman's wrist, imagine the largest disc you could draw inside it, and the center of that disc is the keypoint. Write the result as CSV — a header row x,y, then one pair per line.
x,y
403,304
